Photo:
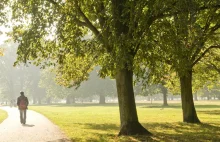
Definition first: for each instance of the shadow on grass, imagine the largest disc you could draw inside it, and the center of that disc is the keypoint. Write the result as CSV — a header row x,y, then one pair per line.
x,y
207,106
212,112
98,138
184,132
79,105
176,131
161,107
141,105
103,127
106,132
179,106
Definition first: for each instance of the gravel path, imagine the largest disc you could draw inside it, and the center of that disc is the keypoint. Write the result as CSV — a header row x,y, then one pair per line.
x,y
37,128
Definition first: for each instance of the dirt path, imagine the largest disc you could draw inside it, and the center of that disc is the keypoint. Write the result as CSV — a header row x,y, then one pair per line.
x,y
37,128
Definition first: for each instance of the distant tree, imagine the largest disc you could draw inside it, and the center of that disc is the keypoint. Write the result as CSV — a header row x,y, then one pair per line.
x,y
100,86
53,90
9,75
164,91
146,90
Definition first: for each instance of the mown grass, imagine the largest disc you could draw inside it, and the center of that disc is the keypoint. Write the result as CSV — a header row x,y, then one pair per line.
x,y
3,115
100,123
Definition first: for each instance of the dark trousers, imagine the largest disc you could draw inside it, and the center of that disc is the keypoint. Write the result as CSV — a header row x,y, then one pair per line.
x,y
23,116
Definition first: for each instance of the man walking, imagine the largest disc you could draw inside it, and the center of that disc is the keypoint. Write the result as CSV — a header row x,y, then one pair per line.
x,y
22,103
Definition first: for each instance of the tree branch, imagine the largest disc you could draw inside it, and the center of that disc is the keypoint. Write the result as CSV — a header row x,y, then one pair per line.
x,y
162,15
197,50
214,28
213,66
53,2
203,54
88,23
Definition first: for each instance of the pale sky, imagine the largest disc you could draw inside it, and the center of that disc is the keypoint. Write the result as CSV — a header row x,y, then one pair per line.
x,y
3,36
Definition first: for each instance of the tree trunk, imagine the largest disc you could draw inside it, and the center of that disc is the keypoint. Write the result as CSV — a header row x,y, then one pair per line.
x,y
195,97
208,97
189,111
68,101
49,100
148,98
164,91
171,98
39,100
73,100
128,113
102,99
34,100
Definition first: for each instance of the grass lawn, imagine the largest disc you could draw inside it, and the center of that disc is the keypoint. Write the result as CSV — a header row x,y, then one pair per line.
x,y
100,123
3,115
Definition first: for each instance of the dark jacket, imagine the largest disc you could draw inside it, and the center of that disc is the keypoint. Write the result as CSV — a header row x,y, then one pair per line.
x,y
19,100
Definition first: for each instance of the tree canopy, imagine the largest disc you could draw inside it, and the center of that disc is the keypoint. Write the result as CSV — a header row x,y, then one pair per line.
x,y
123,37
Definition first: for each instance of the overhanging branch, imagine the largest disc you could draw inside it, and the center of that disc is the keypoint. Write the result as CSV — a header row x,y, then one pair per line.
x,y
203,54
87,21
213,66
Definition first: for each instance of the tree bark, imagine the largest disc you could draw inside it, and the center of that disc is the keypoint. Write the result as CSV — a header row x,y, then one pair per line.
x,y
164,91
101,99
189,111
128,113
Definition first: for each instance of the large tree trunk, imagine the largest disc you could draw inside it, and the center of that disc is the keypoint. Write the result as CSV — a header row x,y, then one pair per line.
x,y
101,99
128,114
189,111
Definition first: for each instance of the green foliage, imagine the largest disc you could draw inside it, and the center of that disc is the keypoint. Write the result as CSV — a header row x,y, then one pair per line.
x,y
77,35
1,51
188,35
187,39
4,12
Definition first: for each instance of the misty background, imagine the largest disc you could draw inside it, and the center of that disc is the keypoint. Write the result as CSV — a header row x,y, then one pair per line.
x,y
40,86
